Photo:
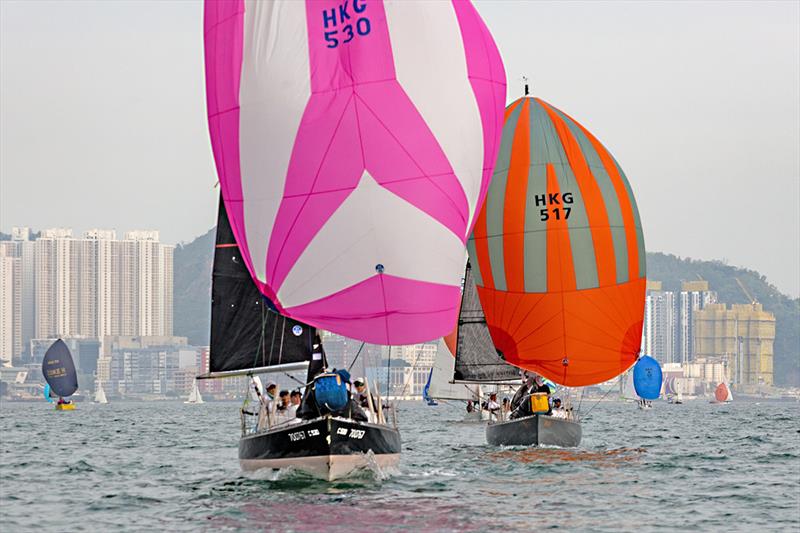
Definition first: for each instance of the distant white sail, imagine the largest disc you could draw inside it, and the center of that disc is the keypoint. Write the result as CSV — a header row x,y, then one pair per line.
x,y
195,396
628,390
442,374
100,394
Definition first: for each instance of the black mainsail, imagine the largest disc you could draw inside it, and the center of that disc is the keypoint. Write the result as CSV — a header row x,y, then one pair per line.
x,y
246,335
477,360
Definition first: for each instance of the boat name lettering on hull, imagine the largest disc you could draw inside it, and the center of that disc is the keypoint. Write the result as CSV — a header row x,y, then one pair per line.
x,y
298,435
341,431
313,433
356,434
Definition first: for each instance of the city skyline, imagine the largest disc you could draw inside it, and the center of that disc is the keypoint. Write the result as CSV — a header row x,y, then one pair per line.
x,y
91,285
695,167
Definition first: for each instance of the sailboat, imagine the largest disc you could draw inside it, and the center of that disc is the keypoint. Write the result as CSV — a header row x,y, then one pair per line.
x,y
426,392
59,372
100,394
558,260
647,380
628,391
722,394
441,386
248,339
195,396
350,182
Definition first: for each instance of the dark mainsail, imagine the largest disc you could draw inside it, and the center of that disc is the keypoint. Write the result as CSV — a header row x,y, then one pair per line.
x,y
59,370
245,333
477,360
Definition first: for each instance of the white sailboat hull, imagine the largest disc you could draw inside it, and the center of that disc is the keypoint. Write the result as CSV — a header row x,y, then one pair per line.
x,y
327,467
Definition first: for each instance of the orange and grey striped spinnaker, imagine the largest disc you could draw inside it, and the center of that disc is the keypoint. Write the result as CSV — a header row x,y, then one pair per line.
x,y
558,252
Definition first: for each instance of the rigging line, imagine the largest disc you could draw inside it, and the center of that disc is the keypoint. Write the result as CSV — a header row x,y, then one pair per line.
x,y
356,357
597,402
261,345
302,384
413,367
388,366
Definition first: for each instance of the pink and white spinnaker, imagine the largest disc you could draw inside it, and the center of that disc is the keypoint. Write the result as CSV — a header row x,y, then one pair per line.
x,y
354,142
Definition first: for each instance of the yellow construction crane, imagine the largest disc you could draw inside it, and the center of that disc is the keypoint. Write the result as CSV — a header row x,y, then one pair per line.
x,y
746,292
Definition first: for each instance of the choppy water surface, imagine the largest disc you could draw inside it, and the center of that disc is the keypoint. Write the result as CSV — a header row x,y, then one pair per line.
x,y
170,466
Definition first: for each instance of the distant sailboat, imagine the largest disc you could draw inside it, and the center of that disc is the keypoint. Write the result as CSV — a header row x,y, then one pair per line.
x,y
59,372
628,391
722,394
195,396
647,380
100,394
441,386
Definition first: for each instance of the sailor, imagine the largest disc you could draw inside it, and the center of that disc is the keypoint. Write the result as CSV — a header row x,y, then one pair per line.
x,y
540,386
558,410
271,389
294,402
492,406
522,392
470,406
361,394
283,402
506,405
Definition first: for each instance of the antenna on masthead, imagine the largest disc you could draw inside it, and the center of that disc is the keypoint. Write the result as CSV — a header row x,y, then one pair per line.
x,y
527,89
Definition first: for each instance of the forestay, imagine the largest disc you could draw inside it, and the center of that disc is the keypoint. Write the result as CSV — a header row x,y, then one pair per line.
x,y
354,142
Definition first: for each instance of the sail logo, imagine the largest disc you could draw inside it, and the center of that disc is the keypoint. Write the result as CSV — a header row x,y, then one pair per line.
x,y
343,23
555,205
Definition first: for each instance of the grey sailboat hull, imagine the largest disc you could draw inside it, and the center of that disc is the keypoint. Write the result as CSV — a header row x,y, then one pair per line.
x,y
535,430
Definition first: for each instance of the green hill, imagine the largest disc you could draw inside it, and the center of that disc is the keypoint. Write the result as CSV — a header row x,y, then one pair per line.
x,y
672,270
193,295
192,289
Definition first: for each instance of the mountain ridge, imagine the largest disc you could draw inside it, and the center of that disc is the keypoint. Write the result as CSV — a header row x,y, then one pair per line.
x,y
192,296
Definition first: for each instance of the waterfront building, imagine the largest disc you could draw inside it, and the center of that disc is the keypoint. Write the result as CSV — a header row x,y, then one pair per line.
x,y
417,355
743,337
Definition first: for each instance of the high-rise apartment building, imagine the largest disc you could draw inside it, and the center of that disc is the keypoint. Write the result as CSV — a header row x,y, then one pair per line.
x,y
95,285
10,304
658,338
694,297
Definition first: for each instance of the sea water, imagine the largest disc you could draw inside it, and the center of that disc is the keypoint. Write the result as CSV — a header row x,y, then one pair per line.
x,y
173,467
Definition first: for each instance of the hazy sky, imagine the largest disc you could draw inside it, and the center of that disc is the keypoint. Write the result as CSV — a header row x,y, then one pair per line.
x,y
102,115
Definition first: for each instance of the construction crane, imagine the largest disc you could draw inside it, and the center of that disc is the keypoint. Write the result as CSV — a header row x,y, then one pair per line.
x,y
746,292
